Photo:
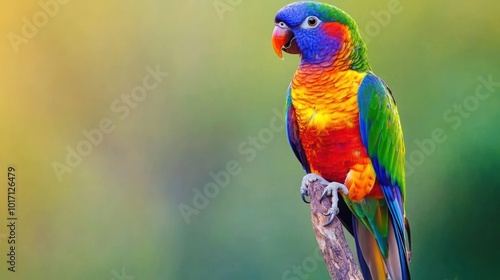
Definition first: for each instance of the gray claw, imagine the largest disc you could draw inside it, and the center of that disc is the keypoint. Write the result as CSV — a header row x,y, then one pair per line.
x,y
303,194
332,190
330,220
308,179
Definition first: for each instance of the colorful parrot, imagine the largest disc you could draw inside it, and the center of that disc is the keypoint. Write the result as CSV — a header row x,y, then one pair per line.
x,y
344,127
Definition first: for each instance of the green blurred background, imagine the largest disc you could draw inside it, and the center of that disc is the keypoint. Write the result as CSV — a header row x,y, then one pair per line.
x,y
117,214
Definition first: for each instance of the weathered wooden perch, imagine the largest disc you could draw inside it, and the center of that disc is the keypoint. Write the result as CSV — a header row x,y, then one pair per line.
x,y
331,240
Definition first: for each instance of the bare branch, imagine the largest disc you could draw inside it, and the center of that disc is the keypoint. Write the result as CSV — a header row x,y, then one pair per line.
x,y
331,240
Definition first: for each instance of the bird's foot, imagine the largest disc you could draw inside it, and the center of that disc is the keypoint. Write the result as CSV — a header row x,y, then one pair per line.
x,y
332,189
307,180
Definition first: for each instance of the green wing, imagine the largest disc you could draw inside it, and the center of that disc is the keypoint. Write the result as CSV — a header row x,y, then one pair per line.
x,y
382,137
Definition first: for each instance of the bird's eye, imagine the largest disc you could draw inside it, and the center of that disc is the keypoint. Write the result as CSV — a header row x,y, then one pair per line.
x,y
281,24
310,22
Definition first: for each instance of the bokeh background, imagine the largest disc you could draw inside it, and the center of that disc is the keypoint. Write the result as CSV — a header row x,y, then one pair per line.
x,y
118,213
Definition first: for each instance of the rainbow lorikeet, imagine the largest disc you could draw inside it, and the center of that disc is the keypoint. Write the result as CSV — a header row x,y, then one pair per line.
x,y
344,127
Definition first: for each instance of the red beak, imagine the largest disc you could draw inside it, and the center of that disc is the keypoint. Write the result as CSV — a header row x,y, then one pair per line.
x,y
280,37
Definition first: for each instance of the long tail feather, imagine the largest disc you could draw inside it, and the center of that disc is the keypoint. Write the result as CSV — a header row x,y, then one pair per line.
x,y
372,263
396,262
408,250
365,270
398,241
371,260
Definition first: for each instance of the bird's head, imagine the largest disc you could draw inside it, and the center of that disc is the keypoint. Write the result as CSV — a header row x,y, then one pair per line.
x,y
318,32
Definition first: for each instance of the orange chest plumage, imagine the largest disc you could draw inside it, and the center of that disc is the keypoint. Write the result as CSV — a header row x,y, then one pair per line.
x,y
326,108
